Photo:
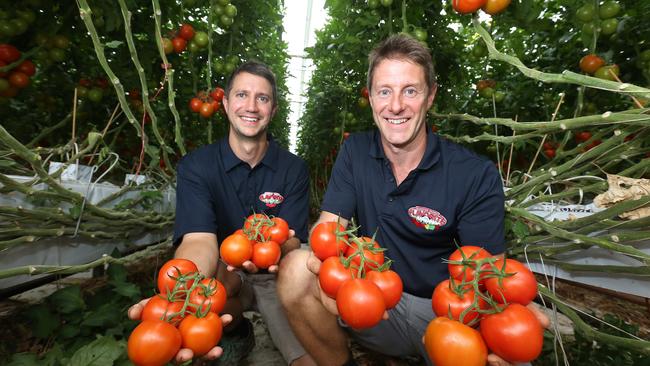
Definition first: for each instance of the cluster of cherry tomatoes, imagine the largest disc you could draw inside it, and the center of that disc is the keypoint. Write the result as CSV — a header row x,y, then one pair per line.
x,y
92,90
487,88
491,292
355,273
491,7
185,313
596,66
186,37
206,104
258,241
601,20
16,78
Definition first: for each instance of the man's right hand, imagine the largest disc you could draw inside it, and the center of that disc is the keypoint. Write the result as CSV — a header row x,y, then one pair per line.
x,y
184,354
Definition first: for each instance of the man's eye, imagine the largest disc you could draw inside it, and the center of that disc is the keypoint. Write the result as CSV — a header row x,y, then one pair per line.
x,y
410,92
383,93
263,99
240,95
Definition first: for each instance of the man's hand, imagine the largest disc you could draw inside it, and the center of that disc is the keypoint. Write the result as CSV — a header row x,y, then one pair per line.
x,y
184,354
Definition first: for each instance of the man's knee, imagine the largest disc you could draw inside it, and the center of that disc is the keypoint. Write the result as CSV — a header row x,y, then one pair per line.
x,y
293,277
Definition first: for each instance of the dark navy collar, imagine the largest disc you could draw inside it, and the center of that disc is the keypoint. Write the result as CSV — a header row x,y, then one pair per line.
x,y
230,160
431,153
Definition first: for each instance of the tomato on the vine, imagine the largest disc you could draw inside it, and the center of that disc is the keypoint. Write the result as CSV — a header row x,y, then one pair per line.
x,y
390,284
217,94
372,259
514,334
266,254
179,44
18,79
186,32
550,153
325,242
608,72
445,302
9,53
195,105
206,110
201,334
27,67
360,303
159,308
209,295
582,136
153,343
236,249
494,7
364,92
332,274
467,6
591,63
451,343
170,273
465,272
609,9
519,286
278,232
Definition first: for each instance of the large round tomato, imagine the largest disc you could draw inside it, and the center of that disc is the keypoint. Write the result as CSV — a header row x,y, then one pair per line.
x,y
153,343
494,7
447,302
360,303
266,254
390,284
467,6
514,334
210,295
172,271
236,249
451,343
159,308
201,334
519,286
373,259
591,63
325,242
332,274
278,231
466,270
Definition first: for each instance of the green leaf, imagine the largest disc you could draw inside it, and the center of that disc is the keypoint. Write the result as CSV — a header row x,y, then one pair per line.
x,y
105,316
520,229
127,290
75,211
67,300
24,359
114,44
100,352
44,322
116,273
69,331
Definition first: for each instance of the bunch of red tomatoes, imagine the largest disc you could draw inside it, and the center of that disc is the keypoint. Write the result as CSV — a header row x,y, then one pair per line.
x,y
355,273
206,104
491,292
259,241
18,77
491,7
185,313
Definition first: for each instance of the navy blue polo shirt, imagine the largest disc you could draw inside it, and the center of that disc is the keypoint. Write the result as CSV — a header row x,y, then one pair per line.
x,y
216,191
453,195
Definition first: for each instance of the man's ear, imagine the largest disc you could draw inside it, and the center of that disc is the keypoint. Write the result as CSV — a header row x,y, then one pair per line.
x,y
224,102
432,95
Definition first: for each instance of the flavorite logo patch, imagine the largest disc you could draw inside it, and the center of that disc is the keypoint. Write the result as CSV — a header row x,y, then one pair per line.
x,y
426,217
271,199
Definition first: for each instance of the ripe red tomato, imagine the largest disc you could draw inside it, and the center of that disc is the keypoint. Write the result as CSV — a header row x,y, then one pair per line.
x,y
217,94
486,83
195,105
514,334
278,232
360,303
179,44
209,295
215,105
445,301
27,67
206,110
236,249
201,334
266,254
332,274
467,6
186,32
582,136
451,343
18,79
255,223
372,260
591,63
9,53
364,92
153,343
170,273
494,7
324,241
520,287
390,284
592,145
550,153
159,308
465,272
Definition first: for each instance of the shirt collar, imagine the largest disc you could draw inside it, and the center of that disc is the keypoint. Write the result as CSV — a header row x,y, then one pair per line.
x,y
230,160
431,153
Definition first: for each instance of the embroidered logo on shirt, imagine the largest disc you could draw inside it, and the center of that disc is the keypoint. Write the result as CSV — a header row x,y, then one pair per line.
x,y
426,217
271,199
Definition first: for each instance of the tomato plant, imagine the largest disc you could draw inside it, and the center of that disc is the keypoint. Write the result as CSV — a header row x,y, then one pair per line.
x,y
325,242
266,254
468,253
514,334
450,301
360,303
201,334
209,295
153,343
451,343
518,285
390,284
172,271
236,249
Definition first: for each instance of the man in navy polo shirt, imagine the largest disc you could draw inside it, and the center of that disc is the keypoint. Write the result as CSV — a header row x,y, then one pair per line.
x,y
420,193
219,185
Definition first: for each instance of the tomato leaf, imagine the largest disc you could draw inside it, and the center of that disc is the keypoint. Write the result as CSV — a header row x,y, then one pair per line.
x,y
67,300
102,351
520,229
104,316
43,321
69,331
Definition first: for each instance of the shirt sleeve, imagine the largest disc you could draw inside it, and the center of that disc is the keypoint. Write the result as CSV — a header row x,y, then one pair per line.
x,y
340,196
481,220
295,208
194,204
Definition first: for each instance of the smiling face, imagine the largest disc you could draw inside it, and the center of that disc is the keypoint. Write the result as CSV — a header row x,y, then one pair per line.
x,y
400,100
249,106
